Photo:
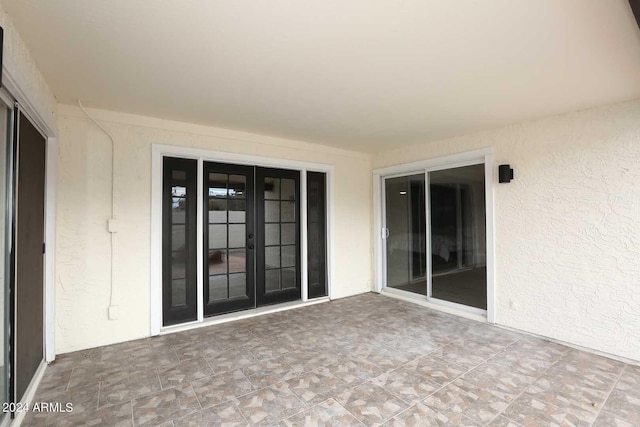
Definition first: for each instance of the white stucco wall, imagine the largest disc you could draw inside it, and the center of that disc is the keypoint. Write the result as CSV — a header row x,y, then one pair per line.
x,y
568,227
82,285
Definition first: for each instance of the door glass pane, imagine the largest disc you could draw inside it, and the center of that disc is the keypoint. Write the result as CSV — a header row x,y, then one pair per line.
x,y
288,234
272,188
178,291
178,240
217,261
272,257
217,185
237,260
272,280
288,256
288,211
217,211
271,234
288,189
237,235
237,210
288,278
237,285
217,287
179,217
217,236
405,215
237,186
271,211
458,235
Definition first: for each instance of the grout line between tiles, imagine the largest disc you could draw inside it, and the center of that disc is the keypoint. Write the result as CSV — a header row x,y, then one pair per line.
x,y
615,383
524,390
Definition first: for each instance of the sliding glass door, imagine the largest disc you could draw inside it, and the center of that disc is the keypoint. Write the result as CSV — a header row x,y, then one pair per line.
x,y
405,233
435,234
458,236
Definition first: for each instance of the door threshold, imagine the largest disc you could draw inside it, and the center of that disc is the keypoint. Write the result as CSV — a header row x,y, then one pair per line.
x,y
238,315
439,305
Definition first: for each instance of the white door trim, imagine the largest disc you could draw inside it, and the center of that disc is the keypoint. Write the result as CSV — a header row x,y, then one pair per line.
x,y
158,151
481,156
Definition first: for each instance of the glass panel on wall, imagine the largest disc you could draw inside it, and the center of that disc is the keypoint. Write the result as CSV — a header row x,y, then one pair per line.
x,y
406,241
316,234
458,235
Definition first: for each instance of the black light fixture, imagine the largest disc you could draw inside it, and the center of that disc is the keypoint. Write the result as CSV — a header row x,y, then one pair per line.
x,y
505,173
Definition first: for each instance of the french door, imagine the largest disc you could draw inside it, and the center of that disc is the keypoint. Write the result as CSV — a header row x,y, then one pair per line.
x,y
251,238
229,238
278,219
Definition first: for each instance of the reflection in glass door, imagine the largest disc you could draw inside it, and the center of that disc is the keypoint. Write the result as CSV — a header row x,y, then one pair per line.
x,y
406,236
229,238
458,235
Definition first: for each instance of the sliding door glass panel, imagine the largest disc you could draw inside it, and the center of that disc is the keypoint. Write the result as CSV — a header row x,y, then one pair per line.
x,y
316,234
405,221
458,235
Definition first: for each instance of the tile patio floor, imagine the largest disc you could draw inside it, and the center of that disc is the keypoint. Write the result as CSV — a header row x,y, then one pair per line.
x,y
362,360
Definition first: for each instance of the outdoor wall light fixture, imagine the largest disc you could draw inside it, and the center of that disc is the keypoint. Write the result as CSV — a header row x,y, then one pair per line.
x,y
505,173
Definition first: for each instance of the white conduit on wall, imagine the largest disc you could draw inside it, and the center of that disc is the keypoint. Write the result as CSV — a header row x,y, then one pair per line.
x,y
113,201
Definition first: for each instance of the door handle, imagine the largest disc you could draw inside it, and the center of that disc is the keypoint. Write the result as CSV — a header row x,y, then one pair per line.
x,y
385,233
250,236
251,246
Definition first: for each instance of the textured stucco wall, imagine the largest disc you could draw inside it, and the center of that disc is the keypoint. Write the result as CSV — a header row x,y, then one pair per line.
x,y
568,227
17,60
82,285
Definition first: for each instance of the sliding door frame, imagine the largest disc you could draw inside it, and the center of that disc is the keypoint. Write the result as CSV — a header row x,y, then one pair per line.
x,y
12,94
158,151
481,156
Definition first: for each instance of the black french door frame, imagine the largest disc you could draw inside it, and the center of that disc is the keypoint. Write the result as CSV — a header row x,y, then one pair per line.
x,y
248,300
258,180
264,297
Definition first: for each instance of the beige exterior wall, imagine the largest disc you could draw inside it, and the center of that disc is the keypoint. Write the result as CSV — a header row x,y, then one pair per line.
x,y
567,229
84,196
